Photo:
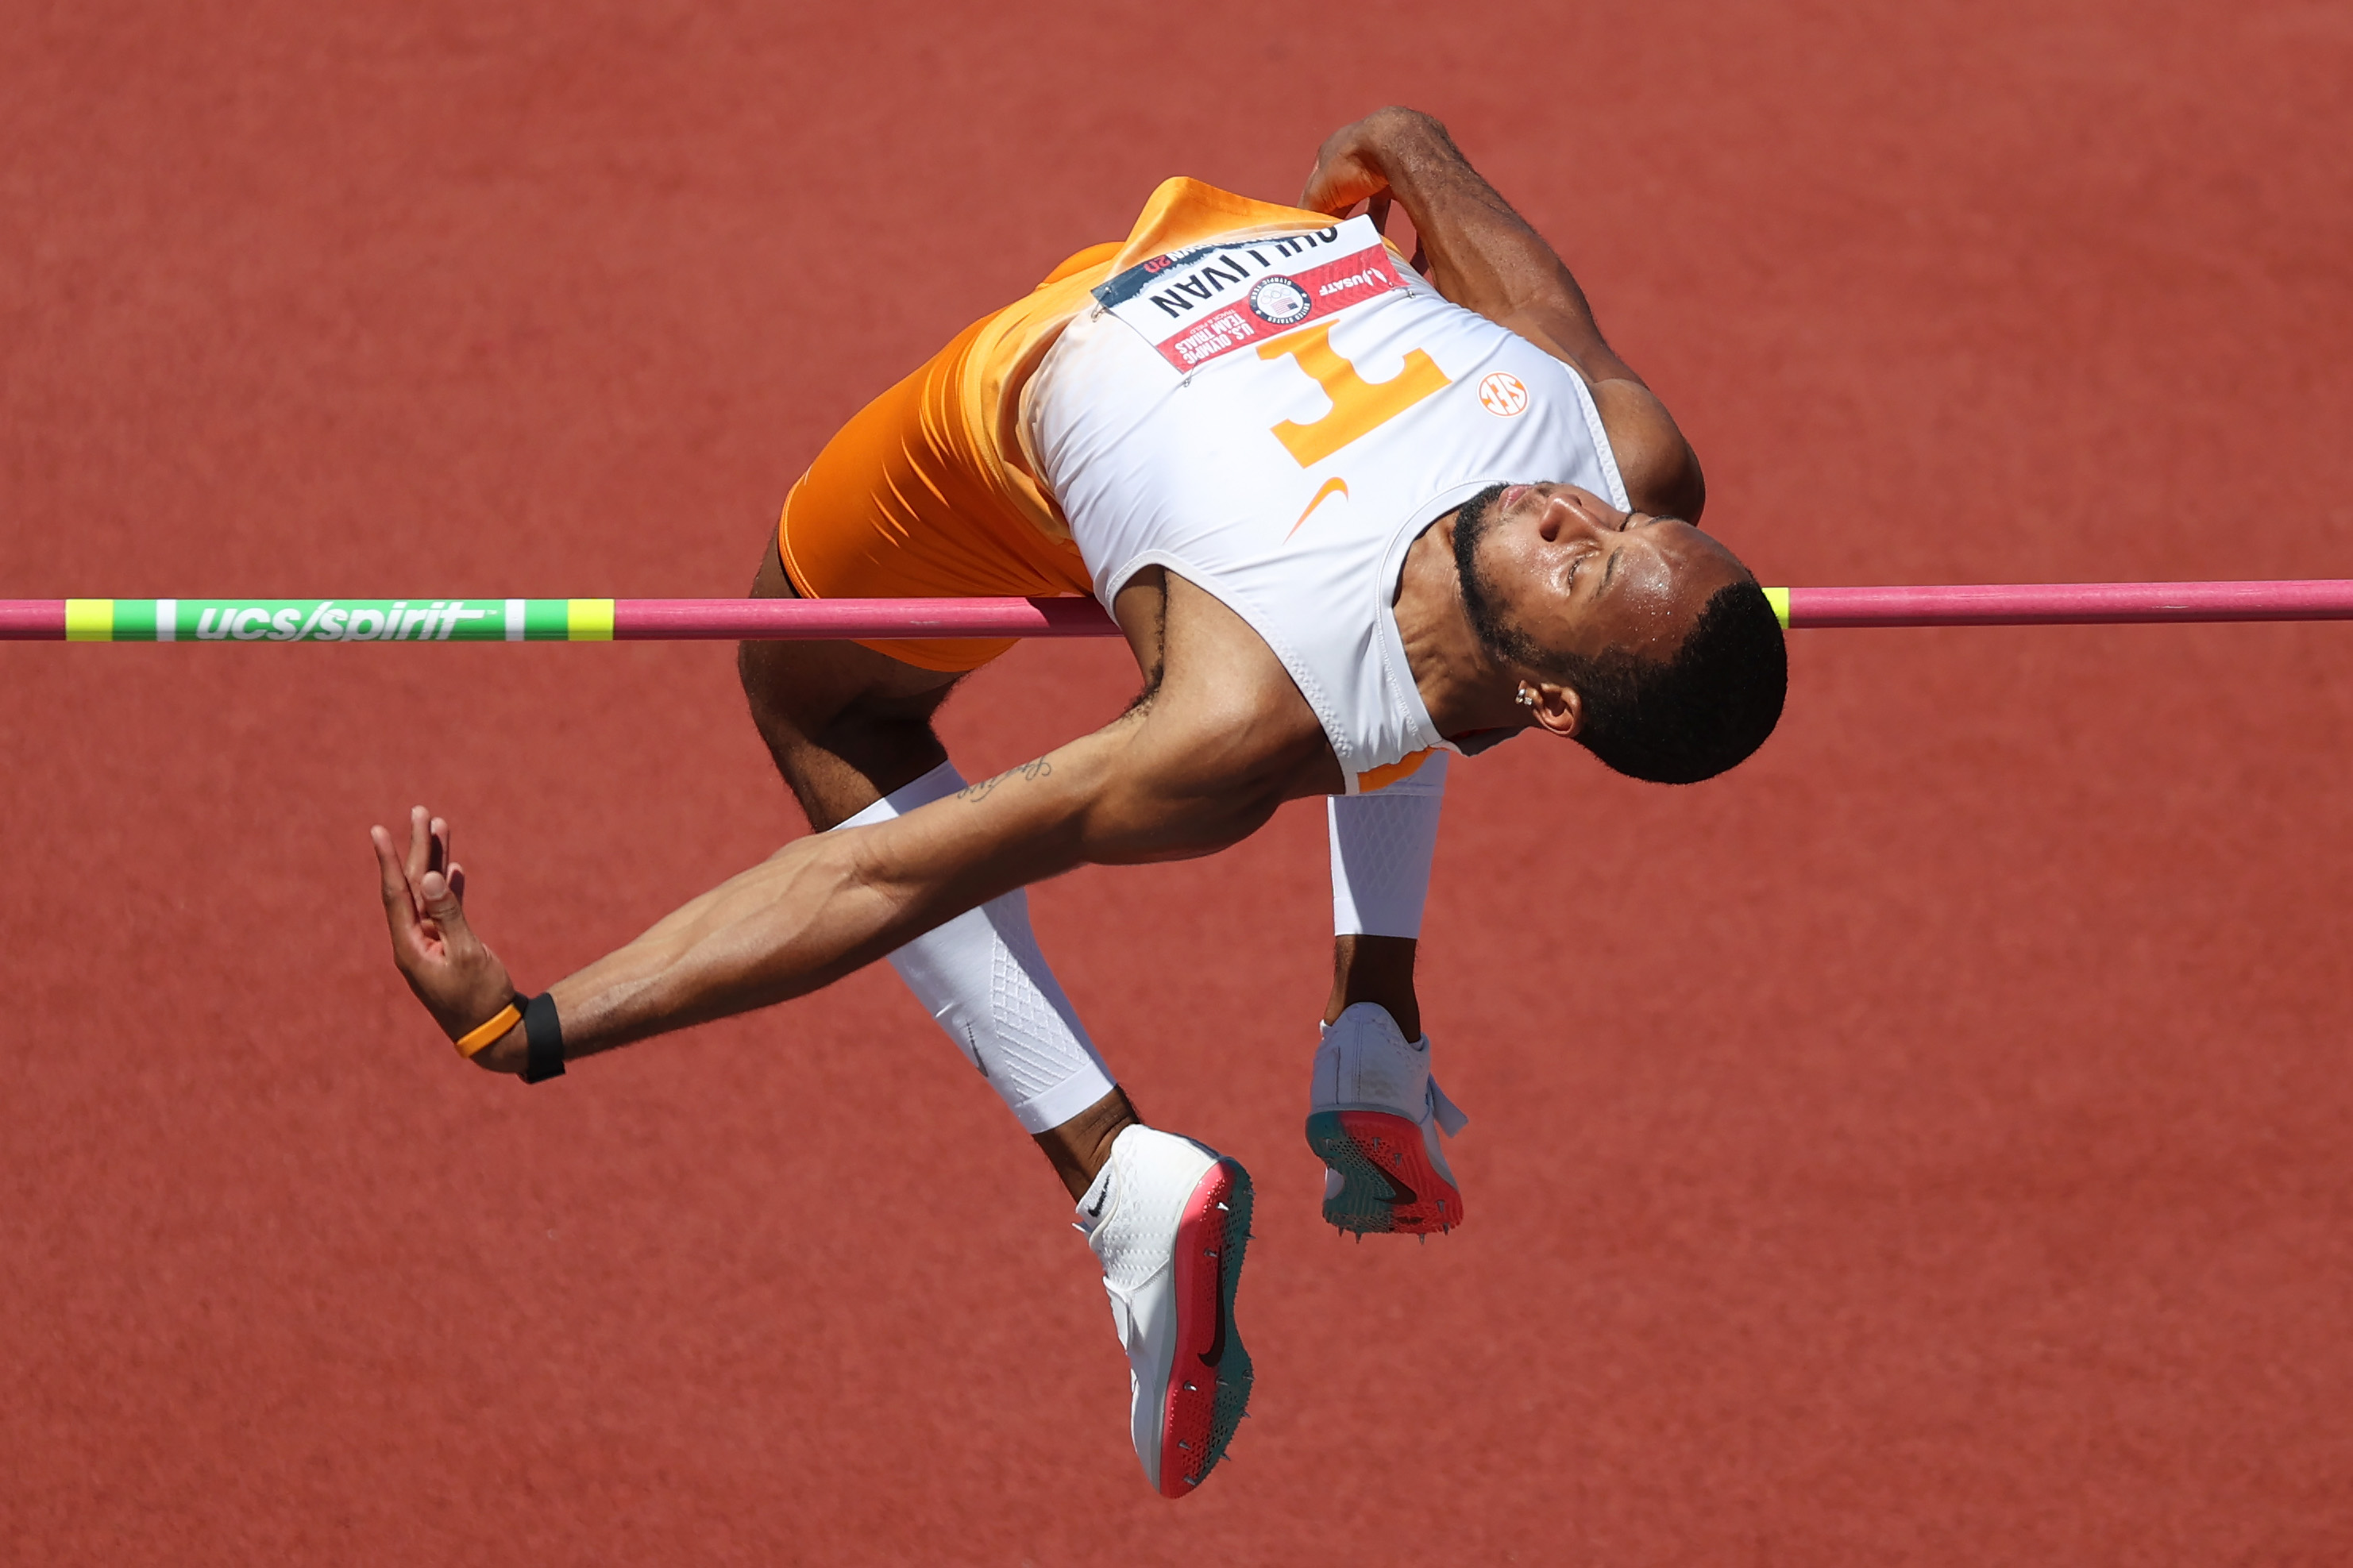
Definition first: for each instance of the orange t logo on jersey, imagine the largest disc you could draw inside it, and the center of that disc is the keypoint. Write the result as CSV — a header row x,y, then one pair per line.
x,y
1358,406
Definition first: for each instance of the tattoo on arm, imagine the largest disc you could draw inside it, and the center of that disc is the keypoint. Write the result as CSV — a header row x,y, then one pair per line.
x,y
1030,771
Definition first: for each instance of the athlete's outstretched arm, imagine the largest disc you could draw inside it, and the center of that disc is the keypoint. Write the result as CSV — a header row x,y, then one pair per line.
x,y
1484,256
1199,766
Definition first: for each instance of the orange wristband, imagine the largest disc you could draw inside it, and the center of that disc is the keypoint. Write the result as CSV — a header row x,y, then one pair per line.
x,y
489,1030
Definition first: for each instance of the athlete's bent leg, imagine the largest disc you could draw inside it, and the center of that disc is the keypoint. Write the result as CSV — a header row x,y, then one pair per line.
x,y
983,978
1168,1218
851,730
845,724
1375,1113
1381,848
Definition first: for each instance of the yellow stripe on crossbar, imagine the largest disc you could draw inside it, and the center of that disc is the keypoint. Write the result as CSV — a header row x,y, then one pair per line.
x,y
90,620
588,620
1779,599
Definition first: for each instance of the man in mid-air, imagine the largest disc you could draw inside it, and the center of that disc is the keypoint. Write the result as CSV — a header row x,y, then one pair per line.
x,y
1352,516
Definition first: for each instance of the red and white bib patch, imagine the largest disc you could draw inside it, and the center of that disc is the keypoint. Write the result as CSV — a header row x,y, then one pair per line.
x,y
1195,305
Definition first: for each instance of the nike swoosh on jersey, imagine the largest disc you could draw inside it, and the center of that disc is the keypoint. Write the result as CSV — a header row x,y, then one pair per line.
x,y
1330,488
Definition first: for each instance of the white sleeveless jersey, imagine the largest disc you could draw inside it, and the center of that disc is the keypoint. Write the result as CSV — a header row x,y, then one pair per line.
x,y
1276,419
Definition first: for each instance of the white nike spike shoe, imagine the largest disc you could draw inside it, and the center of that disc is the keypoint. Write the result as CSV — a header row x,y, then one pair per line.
x,y
1373,1117
1170,1219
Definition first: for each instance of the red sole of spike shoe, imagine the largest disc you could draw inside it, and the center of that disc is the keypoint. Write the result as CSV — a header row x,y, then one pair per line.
x,y
1209,1383
1390,1185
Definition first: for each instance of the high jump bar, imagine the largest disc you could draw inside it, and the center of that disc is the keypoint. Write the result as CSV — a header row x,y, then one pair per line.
x,y
674,620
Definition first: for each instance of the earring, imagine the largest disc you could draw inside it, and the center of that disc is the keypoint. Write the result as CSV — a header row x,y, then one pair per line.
x,y
1527,698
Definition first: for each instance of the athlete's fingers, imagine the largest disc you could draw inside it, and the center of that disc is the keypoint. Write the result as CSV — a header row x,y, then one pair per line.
x,y
459,981
420,841
441,855
429,853
442,908
1335,195
1315,196
1340,180
399,899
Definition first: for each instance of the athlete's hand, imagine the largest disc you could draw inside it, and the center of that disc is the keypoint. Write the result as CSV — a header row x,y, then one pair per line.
x,y
1357,162
461,982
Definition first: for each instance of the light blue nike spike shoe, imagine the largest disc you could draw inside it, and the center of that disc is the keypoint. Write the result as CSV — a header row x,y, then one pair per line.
x,y
1374,1115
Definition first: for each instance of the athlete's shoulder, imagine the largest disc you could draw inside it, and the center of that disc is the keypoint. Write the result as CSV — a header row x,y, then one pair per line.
x,y
1658,468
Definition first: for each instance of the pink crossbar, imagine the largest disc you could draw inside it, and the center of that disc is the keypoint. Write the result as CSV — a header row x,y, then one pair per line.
x,y
1979,604
32,620
734,619
2071,603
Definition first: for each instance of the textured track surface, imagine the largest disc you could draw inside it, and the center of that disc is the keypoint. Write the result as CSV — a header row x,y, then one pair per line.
x,y
1927,1146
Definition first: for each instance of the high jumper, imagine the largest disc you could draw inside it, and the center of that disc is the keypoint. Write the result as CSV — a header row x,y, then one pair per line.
x,y
1352,516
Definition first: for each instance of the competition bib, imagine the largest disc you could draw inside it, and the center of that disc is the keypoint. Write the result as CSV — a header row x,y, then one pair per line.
x,y
1197,304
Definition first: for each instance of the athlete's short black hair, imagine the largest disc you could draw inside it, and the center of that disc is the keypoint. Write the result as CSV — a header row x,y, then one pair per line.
x,y
1691,717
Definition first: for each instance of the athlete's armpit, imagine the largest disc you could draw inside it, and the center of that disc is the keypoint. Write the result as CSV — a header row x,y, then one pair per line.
x,y
1225,740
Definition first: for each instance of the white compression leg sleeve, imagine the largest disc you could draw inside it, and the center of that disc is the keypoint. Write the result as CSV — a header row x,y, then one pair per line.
x,y
1381,847
982,976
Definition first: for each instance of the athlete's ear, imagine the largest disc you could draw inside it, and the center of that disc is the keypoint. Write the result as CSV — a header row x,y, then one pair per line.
x,y
1556,708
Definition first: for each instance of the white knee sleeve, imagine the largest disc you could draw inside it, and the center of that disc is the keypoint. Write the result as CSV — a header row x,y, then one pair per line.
x,y
1381,847
982,976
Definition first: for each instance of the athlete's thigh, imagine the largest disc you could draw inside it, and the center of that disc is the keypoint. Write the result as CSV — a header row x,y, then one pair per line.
x,y
810,684
846,725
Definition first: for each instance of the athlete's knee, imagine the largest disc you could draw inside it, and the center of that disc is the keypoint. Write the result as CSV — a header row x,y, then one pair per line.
x,y
872,724
764,669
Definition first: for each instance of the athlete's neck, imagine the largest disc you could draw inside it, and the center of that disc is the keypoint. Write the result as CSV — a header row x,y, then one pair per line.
x,y
1460,684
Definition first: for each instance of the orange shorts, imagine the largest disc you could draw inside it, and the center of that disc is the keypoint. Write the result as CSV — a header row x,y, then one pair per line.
x,y
928,493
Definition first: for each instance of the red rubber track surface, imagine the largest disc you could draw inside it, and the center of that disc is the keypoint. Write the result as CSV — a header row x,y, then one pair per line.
x,y
1925,1146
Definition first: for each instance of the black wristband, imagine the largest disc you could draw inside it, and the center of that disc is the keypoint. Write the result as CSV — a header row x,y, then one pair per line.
x,y
544,1034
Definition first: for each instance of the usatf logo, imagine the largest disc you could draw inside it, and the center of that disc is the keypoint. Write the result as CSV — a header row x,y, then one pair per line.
x,y
1502,394
1280,302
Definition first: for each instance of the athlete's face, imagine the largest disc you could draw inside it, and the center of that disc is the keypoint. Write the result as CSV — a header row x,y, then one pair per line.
x,y
1555,569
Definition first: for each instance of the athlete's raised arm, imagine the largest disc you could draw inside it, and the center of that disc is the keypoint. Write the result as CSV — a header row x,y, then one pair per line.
x,y
1199,765
1484,256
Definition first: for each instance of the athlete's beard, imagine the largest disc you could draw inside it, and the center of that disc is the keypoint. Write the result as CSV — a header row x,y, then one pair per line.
x,y
1504,643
